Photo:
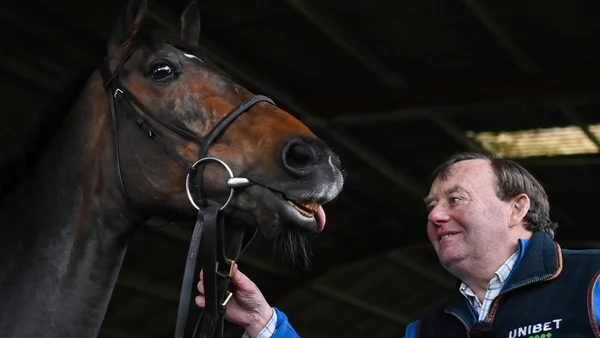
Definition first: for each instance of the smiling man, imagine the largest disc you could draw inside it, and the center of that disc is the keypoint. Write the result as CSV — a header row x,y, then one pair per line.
x,y
489,223
472,227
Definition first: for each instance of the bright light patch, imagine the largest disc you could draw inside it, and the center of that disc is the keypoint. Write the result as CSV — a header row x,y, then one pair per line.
x,y
557,141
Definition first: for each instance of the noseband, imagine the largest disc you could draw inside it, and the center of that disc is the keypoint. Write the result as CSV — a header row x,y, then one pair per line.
x,y
208,249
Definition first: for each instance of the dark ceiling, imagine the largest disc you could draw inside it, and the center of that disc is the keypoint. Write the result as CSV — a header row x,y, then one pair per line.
x,y
392,86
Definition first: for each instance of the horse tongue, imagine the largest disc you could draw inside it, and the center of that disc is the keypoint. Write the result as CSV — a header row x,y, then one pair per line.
x,y
320,218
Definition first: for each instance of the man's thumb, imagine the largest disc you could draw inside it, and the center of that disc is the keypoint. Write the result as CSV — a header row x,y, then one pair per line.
x,y
239,279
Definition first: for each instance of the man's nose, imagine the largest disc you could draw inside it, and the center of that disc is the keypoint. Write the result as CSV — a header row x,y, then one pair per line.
x,y
438,215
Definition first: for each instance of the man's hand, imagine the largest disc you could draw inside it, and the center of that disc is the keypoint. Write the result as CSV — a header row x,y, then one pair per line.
x,y
247,307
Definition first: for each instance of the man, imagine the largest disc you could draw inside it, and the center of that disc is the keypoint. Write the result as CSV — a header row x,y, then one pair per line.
x,y
489,223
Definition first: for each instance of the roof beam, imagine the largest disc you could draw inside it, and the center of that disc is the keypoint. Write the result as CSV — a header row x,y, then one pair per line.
x,y
527,65
501,36
362,53
38,77
347,42
436,278
387,103
450,97
360,304
524,62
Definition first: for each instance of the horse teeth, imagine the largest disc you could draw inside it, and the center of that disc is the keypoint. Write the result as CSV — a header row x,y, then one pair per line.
x,y
306,210
314,207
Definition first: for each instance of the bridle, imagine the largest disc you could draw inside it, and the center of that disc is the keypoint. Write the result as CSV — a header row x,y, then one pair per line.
x,y
208,248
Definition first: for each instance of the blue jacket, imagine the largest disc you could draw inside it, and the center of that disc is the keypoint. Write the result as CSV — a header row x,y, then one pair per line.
x,y
557,289
551,292
284,328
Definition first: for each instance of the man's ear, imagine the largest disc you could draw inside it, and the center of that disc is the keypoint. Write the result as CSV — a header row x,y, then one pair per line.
x,y
518,209
127,26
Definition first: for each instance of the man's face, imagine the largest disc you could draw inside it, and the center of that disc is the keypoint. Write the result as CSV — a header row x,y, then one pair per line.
x,y
467,220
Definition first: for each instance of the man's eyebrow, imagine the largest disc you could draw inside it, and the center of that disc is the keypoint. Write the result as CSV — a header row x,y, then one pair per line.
x,y
455,188
427,199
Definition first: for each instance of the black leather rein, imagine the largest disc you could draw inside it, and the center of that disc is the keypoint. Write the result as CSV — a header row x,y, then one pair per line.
x,y
208,248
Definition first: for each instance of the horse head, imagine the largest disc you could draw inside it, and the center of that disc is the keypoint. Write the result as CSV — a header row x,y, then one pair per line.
x,y
185,102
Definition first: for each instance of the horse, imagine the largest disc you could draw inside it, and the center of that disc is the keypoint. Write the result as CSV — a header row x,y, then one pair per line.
x,y
157,130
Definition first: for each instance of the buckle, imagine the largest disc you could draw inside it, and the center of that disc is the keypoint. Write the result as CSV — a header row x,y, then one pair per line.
x,y
227,298
226,273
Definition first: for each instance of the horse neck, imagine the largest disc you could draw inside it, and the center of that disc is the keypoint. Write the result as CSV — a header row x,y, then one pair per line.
x,y
63,236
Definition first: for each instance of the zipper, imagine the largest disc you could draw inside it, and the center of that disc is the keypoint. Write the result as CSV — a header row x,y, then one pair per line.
x,y
494,307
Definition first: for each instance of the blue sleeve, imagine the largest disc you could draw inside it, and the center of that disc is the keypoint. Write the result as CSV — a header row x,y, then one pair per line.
x,y
411,330
596,301
284,328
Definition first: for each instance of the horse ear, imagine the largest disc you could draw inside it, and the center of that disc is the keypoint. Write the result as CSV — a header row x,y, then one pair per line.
x,y
190,24
128,24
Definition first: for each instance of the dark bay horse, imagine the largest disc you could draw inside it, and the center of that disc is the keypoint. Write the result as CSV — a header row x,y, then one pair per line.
x,y
64,231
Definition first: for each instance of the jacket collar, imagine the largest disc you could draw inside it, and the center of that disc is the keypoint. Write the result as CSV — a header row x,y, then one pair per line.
x,y
540,258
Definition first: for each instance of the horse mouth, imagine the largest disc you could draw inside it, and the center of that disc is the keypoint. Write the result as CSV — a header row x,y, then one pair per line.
x,y
310,214
305,209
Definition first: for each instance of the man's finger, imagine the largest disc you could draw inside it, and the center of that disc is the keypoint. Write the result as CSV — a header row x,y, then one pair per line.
x,y
200,287
241,281
200,301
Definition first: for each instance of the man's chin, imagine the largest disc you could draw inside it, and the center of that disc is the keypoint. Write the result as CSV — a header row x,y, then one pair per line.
x,y
452,263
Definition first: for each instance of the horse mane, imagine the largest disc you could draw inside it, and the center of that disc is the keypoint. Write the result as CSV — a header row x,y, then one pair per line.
x,y
16,169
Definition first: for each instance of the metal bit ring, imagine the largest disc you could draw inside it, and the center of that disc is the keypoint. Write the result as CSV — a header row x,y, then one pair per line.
x,y
194,166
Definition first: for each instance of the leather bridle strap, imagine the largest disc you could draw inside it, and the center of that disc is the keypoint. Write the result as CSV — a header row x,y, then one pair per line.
x,y
216,132
207,248
215,256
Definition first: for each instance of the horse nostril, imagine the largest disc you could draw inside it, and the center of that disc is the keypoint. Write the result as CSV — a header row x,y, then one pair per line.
x,y
298,156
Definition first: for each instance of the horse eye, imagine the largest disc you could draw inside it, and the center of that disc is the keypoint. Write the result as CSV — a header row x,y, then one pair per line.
x,y
162,72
